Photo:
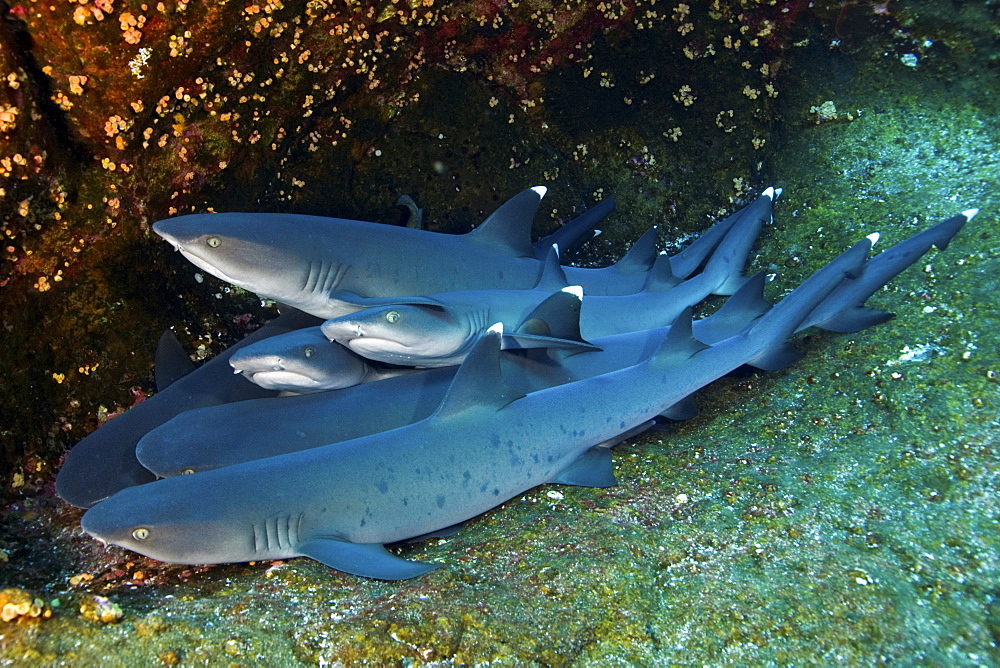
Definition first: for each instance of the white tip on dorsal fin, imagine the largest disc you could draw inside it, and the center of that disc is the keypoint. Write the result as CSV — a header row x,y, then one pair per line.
x,y
769,193
970,214
541,190
555,247
873,237
574,290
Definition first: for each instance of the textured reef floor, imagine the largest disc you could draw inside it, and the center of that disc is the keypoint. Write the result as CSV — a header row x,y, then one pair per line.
x,y
843,510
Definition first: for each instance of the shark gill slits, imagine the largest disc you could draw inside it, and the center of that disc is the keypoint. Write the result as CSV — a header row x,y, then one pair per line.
x,y
213,242
140,534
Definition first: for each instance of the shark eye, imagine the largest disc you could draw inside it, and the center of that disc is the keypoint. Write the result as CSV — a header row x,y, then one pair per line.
x,y
309,351
213,242
187,471
391,316
140,534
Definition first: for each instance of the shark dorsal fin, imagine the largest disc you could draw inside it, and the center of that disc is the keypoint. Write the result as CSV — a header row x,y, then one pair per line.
x,y
679,343
557,316
171,363
641,256
478,381
553,277
661,276
508,229
744,307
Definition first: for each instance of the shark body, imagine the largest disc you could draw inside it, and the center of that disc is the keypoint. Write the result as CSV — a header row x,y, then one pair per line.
x,y
322,265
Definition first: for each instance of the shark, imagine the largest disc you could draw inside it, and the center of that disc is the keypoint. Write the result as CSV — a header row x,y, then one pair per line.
x,y
304,361
486,443
440,329
218,436
322,265
104,461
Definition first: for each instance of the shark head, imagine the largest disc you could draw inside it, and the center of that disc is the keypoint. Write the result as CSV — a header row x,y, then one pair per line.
x,y
415,335
163,522
278,259
301,361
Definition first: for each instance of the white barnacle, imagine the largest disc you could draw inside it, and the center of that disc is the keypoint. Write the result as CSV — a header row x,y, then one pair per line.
x,y
140,60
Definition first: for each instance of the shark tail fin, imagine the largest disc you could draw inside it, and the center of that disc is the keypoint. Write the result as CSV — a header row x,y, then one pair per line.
x,y
508,229
171,362
745,306
728,260
478,381
576,232
784,318
552,277
843,311
641,256
678,345
554,323
690,259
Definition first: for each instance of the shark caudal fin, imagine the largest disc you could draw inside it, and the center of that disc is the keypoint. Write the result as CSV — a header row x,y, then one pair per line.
x,y
745,306
689,260
478,382
784,318
508,229
171,362
727,261
640,257
554,323
576,232
844,310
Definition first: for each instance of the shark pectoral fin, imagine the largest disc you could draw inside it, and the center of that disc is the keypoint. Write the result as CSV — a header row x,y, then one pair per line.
x,y
855,319
353,299
528,341
369,560
171,362
591,469
685,409
776,358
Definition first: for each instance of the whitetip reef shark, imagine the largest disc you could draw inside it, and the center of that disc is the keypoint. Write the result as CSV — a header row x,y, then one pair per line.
x,y
217,436
322,265
439,329
486,443
305,361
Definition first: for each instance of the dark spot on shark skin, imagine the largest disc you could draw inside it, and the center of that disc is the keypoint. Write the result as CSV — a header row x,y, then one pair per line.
x,y
363,522
466,477
494,441
621,425
482,488
496,492
406,501
382,486
440,500
516,461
